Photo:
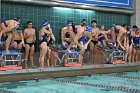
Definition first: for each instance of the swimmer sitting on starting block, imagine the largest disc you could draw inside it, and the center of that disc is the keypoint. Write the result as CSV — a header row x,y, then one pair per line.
x,y
7,27
66,38
120,34
65,34
77,34
18,39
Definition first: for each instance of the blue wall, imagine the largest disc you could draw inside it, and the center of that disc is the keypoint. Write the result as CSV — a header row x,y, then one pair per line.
x,y
110,3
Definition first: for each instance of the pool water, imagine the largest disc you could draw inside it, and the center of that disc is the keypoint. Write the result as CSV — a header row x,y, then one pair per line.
x,y
80,84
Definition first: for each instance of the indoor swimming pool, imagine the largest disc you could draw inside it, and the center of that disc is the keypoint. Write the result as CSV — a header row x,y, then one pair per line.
x,y
99,83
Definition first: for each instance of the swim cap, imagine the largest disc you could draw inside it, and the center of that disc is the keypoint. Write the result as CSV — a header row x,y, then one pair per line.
x,y
69,23
45,24
113,25
88,28
129,27
16,18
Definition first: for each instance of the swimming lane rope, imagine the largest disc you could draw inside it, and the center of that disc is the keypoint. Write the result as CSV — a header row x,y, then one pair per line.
x,y
5,91
124,89
121,76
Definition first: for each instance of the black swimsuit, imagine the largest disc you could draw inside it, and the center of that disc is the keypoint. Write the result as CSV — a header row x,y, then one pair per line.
x,y
18,41
94,42
43,40
50,42
67,35
30,44
130,40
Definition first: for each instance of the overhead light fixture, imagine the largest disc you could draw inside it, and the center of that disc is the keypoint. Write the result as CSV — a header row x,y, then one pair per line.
x,y
84,6
55,3
62,8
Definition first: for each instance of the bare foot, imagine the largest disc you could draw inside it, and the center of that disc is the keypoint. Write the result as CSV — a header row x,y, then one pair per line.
x,y
33,67
7,51
42,69
26,67
68,50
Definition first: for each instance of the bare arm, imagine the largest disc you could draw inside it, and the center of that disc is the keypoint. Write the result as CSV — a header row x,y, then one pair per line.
x,y
25,34
34,37
96,36
89,38
105,35
125,41
112,33
77,36
107,32
48,32
52,36
0,33
41,33
22,38
118,39
62,35
9,28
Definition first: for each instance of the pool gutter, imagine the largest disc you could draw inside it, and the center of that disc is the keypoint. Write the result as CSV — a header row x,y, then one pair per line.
x,y
66,72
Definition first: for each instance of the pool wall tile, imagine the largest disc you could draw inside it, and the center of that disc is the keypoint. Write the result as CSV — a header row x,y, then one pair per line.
x,y
58,17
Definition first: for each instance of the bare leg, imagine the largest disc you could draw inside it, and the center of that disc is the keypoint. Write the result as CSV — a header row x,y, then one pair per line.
x,y
19,46
91,52
53,58
136,56
126,53
27,47
43,51
130,53
81,55
7,42
48,56
69,47
133,54
32,56
95,54
65,59
14,44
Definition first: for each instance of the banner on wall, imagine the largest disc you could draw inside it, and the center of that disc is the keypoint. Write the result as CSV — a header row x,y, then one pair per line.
x,y
109,3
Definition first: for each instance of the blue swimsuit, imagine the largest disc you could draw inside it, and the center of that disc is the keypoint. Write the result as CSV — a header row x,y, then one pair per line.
x,y
82,38
88,28
4,22
101,38
136,40
115,29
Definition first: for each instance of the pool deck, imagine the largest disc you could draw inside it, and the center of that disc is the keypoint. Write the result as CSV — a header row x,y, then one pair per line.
x,y
54,72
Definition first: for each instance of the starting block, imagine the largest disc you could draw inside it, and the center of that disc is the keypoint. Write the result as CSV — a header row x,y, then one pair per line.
x,y
13,67
113,55
137,46
73,64
2,69
13,56
10,68
72,60
118,62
